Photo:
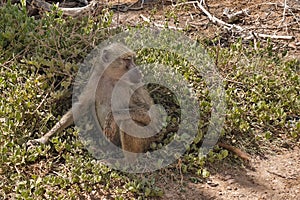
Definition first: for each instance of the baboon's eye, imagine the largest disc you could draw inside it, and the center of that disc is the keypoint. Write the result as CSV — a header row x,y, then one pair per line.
x,y
127,62
128,58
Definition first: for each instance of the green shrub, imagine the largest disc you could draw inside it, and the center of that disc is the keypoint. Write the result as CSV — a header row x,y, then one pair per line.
x,y
38,60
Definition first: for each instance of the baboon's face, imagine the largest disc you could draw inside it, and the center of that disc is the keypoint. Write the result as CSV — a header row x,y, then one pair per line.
x,y
124,65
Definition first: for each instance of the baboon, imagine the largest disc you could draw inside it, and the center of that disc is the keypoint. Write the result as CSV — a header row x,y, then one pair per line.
x,y
115,65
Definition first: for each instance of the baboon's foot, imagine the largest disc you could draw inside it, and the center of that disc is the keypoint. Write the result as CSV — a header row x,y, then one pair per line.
x,y
35,142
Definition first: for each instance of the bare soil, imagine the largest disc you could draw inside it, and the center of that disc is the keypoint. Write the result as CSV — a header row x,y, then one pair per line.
x,y
274,177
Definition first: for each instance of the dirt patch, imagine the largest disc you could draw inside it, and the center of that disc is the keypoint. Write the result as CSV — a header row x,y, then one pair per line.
x,y
272,18
276,177
273,177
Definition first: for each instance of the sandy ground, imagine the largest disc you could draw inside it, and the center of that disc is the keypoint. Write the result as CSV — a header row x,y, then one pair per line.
x,y
275,177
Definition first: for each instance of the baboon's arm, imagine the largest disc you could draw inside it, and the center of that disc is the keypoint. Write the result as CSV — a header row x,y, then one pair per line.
x,y
139,115
111,129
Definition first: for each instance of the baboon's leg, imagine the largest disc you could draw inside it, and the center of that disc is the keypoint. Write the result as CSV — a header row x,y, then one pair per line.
x,y
132,145
63,123
111,130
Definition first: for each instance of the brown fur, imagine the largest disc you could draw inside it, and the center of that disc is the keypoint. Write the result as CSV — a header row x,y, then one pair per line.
x,y
139,109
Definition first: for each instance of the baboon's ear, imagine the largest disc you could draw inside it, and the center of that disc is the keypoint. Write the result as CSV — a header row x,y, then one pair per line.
x,y
105,56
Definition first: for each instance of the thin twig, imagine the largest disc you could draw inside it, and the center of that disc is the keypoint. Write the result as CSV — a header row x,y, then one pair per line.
x,y
280,175
159,25
45,97
284,11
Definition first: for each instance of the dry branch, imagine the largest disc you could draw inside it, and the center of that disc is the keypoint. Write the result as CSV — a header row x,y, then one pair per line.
x,y
235,150
41,4
277,37
218,21
239,28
